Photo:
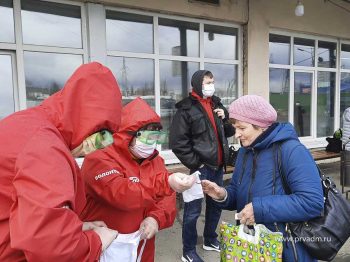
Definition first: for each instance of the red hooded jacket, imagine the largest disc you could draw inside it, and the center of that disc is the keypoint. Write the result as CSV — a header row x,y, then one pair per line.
x,y
41,190
122,192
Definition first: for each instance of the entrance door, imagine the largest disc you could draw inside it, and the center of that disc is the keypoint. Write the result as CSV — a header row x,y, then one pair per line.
x,y
303,106
8,86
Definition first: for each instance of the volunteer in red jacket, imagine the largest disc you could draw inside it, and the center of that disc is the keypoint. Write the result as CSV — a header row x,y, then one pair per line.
x,y
127,183
41,190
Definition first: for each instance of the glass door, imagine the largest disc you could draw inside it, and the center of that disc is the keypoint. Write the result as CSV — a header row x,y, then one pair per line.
x,y
303,106
8,103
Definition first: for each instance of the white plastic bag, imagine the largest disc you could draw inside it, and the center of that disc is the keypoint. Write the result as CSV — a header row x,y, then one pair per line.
x,y
124,248
195,192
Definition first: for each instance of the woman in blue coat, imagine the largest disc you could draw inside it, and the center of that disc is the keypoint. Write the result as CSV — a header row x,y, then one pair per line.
x,y
256,189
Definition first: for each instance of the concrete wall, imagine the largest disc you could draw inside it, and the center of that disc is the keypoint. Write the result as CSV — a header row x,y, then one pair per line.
x,y
228,10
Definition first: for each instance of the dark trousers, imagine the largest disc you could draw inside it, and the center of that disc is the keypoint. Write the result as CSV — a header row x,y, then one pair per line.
x,y
193,209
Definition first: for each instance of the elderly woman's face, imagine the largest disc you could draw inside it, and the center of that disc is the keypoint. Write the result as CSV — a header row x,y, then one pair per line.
x,y
246,132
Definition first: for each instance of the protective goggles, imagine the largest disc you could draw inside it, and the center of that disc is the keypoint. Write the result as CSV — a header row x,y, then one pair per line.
x,y
152,137
102,139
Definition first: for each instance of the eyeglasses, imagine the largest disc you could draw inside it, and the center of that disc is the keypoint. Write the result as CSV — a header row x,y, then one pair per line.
x,y
152,137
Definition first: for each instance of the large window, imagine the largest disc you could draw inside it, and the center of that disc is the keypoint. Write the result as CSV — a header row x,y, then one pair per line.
x,y
52,43
302,77
155,56
48,45
152,55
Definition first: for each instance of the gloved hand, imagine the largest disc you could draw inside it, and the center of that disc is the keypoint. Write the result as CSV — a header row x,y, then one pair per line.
x,y
180,182
148,228
93,224
106,235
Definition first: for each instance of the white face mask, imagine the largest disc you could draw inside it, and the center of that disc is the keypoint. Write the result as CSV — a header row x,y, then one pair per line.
x,y
142,150
208,90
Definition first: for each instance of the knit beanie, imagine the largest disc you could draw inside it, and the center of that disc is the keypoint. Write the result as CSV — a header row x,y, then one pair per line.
x,y
253,109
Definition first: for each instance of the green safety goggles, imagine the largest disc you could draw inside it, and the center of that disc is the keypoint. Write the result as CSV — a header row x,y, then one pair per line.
x,y
103,138
152,137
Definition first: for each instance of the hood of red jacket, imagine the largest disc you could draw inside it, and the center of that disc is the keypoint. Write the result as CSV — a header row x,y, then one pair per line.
x,y
90,101
135,115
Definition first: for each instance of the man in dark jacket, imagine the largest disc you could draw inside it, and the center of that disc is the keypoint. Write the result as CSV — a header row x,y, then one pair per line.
x,y
198,138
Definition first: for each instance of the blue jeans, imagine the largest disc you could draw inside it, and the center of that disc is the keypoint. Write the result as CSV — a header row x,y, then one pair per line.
x,y
193,209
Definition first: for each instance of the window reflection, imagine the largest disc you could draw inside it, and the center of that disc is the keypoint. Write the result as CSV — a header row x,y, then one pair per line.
x,y
327,54
302,103
7,104
135,77
178,38
304,52
53,24
325,103
220,42
279,47
226,84
7,33
129,32
345,56
344,94
175,84
279,92
46,73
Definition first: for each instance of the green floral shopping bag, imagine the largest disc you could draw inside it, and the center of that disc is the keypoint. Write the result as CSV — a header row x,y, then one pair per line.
x,y
238,245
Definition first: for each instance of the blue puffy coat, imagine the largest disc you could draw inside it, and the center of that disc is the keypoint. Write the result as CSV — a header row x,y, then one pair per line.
x,y
252,181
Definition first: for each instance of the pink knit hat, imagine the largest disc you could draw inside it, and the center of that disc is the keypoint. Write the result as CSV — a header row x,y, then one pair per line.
x,y
253,109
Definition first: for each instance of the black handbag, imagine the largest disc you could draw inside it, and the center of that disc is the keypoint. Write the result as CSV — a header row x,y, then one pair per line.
x,y
322,236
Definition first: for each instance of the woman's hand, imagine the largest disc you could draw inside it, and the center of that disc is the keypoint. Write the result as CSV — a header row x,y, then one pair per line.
x,y
247,215
213,190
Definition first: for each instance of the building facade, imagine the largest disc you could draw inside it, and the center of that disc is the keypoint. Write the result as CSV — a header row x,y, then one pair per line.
x,y
300,63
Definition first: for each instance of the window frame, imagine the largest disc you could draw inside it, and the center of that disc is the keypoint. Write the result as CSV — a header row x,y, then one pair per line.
x,y
311,141
18,48
168,155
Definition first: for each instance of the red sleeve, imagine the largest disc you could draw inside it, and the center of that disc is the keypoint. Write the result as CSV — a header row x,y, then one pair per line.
x,y
164,211
43,223
107,180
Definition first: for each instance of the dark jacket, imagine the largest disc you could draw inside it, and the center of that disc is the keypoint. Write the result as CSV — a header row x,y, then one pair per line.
x,y
192,136
252,181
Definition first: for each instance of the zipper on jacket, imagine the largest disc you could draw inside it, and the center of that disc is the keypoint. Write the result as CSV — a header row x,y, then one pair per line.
x,y
255,155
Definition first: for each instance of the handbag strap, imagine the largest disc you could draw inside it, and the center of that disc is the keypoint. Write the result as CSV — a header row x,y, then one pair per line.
x,y
286,189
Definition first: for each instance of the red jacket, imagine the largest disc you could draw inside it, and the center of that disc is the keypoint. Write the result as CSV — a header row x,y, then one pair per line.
x,y
122,192
41,190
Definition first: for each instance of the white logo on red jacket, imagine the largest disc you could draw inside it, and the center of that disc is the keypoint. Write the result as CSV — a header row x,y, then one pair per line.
x,y
134,179
107,173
